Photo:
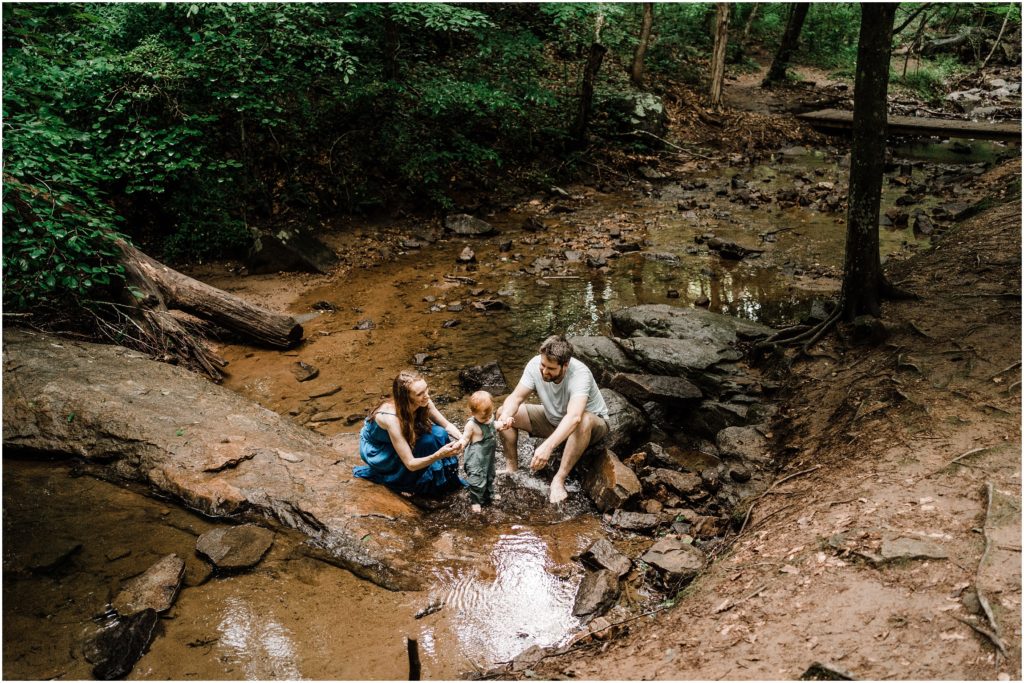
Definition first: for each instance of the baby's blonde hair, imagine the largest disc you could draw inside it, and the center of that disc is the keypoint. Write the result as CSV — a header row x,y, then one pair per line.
x,y
480,400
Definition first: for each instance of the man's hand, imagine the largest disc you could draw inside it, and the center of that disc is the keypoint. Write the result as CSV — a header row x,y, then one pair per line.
x,y
540,457
504,423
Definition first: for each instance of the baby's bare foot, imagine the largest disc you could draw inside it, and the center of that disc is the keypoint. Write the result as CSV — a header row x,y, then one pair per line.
x,y
476,507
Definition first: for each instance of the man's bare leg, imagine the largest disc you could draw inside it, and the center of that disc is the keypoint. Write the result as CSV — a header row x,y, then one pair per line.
x,y
571,454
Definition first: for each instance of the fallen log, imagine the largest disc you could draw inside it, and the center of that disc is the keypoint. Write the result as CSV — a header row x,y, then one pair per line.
x,y
153,289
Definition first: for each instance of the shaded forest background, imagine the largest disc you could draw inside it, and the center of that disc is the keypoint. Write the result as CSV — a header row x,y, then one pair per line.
x,y
183,127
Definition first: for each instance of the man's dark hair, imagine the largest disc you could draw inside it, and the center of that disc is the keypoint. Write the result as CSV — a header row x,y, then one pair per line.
x,y
557,348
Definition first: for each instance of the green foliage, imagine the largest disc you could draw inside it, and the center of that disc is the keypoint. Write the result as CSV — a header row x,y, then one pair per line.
x,y
927,79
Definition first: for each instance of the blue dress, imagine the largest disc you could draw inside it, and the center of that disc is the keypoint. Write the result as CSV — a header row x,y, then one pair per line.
x,y
383,466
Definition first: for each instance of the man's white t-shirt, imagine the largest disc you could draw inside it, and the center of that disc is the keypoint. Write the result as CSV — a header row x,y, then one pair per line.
x,y
578,381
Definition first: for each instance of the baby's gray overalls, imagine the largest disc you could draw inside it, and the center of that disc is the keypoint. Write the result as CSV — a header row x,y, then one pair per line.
x,y
480,464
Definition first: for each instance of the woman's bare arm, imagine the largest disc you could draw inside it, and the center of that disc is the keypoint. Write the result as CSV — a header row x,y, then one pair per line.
x,y
411,462
437,418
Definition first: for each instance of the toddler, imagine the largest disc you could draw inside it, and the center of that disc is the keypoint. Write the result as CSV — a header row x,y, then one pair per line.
x,y
479,442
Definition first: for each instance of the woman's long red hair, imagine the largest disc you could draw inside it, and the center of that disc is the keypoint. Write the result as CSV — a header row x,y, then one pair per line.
x,y
411,420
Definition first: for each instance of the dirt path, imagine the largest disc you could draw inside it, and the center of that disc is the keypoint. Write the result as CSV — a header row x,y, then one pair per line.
x,y
911,447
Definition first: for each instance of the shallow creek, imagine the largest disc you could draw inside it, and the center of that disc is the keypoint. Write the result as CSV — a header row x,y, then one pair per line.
x,y
512,579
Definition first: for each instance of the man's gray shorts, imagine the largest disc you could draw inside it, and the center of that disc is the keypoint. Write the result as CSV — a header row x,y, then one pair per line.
x,y
540,427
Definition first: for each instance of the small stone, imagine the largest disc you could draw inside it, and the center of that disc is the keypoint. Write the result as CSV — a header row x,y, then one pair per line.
x,y
672,294
237,547
304,371
420,358
154,589
467,255
450,323
365,324
739,473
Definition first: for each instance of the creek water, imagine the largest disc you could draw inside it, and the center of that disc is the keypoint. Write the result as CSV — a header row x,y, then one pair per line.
x,y
512,580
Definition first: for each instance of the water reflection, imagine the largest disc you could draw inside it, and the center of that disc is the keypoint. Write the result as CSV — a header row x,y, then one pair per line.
x,y
522,604
257,641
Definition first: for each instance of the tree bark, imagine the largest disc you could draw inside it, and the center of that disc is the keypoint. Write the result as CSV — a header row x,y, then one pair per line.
x,y
863,283
788,45
718,54
636,73
597,52
153,289
747,26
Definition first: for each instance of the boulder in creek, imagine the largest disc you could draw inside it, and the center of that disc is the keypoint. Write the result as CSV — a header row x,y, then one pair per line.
x,y
603,356
154,589
676,558
487,377
596,593
237,547
635,521
468,226
602,554
662,388
121,644
683,483
289,249
627,424
607,480
745,444
691,324
732,250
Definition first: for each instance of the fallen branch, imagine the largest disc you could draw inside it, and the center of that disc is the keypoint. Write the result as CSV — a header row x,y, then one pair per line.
x,y
726,606
993,638
994,634
957,459
1006,369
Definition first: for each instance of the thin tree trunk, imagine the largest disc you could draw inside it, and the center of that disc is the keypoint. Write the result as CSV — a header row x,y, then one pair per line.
x,y
597,52
748,25
636,73
718,54
1006,18
913,43
863,283
790,40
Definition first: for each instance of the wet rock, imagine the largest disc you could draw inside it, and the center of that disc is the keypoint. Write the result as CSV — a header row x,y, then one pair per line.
x,y
572,256
49,557
197,572
701,327
468,226
488,377
608,481
677,559
623,247
154,589
602,554
711,417
603,356
324,393
634,521
641,388
467,255
923,225
711,479
739,473
409,243
237,547
538,224
625,421
420,358
365,324
649,173
288,249
746,444
484,305
304,371
598,591
678,357
661,257
450,323
120,645
529,657
326,306
731,250
685,484
454,307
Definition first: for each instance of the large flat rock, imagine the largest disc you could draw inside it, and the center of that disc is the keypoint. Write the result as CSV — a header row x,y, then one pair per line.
x,y
695,324
130,418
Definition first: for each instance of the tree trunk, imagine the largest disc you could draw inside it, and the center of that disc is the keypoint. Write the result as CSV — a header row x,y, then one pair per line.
x,y
863,282
747,26
790,40
718,55
153,288
636,74
597,51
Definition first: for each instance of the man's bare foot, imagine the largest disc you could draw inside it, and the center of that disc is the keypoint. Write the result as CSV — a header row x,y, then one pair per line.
x,y
558,492
476,507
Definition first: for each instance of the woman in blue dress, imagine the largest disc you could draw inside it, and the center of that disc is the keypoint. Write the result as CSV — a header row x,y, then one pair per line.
x,y
408,445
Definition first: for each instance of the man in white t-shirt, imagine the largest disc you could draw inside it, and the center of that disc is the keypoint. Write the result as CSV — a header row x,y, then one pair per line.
x,y
572,410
